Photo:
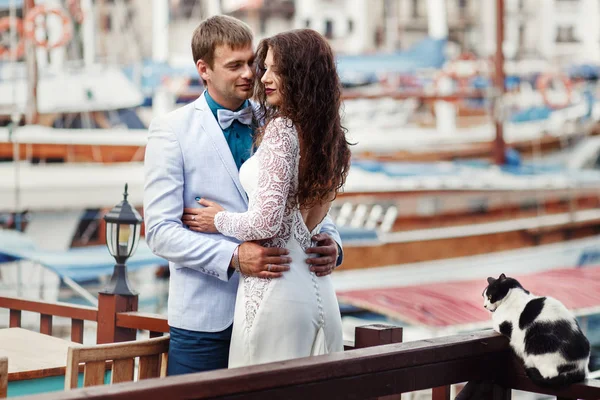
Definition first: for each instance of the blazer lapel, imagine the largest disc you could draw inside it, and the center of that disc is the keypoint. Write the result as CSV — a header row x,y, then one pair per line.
x,y
213,130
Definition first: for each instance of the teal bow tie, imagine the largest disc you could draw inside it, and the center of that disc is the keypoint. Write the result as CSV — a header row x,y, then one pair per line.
x,y
226,117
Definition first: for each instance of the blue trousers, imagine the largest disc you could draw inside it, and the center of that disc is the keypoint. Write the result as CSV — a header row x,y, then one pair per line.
x,y
191,351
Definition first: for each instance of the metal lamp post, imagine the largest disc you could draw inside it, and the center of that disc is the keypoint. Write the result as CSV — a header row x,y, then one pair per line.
x,y
123,225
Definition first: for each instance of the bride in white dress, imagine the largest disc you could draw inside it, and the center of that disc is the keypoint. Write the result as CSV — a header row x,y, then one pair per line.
x,y
301,163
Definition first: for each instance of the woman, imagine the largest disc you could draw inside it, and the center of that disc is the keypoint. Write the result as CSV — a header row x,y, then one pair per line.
x,y
302,162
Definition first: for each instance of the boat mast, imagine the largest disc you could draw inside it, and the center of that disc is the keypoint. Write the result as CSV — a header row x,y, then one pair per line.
x,y
88,29
163,99
499,145
160,31
15,116
31,111
445,111
589,24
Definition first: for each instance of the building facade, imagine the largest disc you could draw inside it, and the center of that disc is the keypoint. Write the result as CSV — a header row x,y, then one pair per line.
x,y
352,26
555,30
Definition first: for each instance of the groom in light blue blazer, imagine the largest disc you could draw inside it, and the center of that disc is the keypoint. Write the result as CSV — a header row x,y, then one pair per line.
x,y
195,152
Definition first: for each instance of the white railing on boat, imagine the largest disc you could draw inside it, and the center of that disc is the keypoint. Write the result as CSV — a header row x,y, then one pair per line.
x,y
452,232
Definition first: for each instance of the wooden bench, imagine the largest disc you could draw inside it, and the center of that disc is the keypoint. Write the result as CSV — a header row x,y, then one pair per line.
x,y
3,377
152,355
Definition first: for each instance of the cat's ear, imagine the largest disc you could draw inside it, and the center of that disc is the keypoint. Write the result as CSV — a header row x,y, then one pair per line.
x,y
491,280
502,277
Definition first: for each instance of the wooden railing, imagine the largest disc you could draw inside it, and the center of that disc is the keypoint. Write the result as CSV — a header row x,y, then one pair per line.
x,y
357,374
130,320
78,314
155,323
378,364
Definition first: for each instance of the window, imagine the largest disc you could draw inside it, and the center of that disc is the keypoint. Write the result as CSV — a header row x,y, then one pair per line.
x,y
463,6
379,36
263,25
88,230
183,9
566,34
522,44
329,29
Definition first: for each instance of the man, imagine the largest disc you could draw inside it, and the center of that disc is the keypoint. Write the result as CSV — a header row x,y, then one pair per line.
x,y
195,153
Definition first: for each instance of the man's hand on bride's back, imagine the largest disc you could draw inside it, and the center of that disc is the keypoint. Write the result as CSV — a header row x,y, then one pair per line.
x,y
263,262
326,251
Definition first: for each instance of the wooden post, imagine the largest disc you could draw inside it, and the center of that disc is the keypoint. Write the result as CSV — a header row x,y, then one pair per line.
x,y
499,146
77,330
375,335
502,393
441,393
109,305
3,377
500,390
15,318
46,324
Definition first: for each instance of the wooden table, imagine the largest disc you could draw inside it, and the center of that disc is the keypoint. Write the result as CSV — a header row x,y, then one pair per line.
x,y
36,362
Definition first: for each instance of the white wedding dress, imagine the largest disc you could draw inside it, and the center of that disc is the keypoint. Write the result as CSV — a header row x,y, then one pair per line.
x,y
296,315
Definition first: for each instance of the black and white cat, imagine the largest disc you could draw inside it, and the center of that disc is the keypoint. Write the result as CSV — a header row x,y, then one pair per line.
x,y
542,332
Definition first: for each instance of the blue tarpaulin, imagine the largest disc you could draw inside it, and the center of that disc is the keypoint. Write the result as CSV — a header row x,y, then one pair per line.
x,y
429,53
349,235
79,264
456,168
4,4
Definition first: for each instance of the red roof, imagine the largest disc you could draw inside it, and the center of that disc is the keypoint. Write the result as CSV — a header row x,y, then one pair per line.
x,y
459,303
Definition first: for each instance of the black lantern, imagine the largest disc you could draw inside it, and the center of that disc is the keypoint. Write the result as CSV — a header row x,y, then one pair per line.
x,y
123,225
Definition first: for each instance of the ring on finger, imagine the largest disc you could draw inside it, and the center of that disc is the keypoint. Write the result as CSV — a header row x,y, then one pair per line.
x,y
193,217
269,267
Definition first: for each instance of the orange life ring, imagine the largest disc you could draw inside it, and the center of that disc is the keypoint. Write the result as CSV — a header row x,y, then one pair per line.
x,y
542,83
480,68
467,56
30,26
5,24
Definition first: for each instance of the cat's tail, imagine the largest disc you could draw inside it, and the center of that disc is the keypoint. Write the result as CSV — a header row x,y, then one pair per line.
x,y
558,381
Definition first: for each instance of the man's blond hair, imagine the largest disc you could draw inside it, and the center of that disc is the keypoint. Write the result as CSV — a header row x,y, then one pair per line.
x,y
216,31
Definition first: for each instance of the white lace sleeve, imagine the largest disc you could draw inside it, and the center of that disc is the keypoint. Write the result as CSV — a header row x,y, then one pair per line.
x,y
277,156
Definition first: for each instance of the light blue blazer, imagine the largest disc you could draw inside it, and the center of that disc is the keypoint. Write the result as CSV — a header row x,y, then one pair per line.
x,y
187,157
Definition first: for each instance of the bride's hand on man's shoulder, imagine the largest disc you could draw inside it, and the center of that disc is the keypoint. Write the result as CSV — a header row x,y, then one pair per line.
x,y
202,219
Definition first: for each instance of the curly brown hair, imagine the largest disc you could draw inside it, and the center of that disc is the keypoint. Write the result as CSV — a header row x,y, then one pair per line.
x,y
311,99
